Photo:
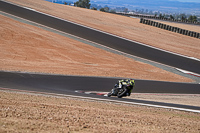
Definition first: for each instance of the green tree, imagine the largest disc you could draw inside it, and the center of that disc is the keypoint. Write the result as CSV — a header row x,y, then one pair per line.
x,y
192,18
106,9
183,16
83,4
195,18
93,8
102,9
113,11
164,15
171,17
161,16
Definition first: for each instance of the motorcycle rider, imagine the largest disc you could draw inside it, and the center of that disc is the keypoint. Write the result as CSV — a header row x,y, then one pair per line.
x,y
126,84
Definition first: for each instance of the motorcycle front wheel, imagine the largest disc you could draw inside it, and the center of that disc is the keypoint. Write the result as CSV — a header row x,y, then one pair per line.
x,y
121,92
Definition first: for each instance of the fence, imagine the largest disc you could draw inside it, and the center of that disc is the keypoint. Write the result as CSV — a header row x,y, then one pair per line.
x,y
170,28
159,18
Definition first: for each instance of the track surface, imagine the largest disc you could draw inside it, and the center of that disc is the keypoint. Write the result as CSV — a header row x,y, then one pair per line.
x,y
103,84
106,39
67,85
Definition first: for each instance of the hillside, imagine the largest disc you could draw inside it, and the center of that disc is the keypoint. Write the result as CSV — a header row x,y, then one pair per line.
x,y
122,26
28,48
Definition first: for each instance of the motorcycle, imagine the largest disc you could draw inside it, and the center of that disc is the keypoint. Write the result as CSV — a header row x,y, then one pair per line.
x,y
119,92
122,88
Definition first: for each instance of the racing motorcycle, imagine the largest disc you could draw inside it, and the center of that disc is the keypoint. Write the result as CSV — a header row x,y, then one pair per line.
x,y
119,92
122,88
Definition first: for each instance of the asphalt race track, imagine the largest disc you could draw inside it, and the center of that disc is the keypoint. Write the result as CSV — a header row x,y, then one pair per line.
x,y
102,38
103,84
67,85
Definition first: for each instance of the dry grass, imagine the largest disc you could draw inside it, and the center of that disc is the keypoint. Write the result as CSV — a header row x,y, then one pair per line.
x,y
32,113
28,48
185,99
122,26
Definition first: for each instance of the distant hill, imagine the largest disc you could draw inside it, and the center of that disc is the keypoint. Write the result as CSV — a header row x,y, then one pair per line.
x,y
162,5
159,5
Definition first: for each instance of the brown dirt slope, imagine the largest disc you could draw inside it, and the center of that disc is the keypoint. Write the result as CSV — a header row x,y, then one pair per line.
x,y
190,27
122,26
185,99
28,48
32,113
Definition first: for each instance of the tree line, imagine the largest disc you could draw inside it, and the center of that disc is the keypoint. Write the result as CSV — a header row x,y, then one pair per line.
x,y
182,17
86,4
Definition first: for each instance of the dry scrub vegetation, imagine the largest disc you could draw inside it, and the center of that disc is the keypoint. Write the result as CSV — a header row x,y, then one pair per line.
x,y
33,113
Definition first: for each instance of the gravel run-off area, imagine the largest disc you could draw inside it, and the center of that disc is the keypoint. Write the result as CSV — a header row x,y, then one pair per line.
x,y
34,113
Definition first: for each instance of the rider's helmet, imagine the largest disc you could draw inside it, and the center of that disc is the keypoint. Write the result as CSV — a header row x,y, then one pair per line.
x,y
131,82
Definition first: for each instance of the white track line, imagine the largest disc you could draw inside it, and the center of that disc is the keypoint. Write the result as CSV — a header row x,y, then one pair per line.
x,y
188,72
106,100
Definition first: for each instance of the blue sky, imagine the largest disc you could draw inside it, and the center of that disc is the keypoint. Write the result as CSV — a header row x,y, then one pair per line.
x,y
189,1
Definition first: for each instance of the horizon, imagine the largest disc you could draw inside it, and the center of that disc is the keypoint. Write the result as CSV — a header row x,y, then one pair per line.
x,y
164,6
197,1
